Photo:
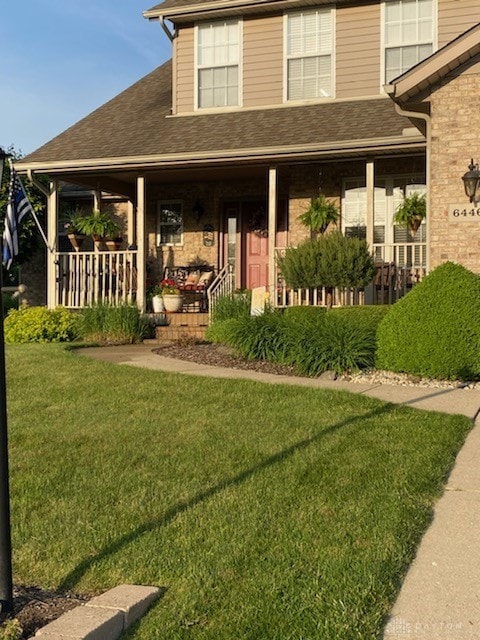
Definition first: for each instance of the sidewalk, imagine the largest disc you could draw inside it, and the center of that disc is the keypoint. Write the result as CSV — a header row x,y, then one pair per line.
x,y
440,597
463,401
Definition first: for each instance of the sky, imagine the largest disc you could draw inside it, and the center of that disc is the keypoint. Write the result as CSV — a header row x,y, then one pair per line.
x,y
61,59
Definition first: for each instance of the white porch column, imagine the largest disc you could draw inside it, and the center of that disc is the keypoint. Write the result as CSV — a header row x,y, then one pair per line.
x,y
370,184
52,230
272,228
97,200
130,223
141,242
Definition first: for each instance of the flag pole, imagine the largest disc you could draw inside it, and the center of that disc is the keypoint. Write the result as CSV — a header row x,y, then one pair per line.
x,y
6,582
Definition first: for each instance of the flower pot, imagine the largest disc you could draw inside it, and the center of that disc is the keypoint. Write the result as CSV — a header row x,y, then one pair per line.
x,y
414,226
76,240
98,240
157,304
172,302
113,245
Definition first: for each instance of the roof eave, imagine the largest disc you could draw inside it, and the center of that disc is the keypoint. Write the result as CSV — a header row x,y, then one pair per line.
x,y
238,156
425,75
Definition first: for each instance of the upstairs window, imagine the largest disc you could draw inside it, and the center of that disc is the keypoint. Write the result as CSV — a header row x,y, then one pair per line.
x,y
218,62
409,34
309,47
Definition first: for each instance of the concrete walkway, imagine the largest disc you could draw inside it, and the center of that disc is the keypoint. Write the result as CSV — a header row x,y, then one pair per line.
x,y
440,597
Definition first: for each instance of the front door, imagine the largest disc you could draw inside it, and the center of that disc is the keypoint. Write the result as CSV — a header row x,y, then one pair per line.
x,y
255,244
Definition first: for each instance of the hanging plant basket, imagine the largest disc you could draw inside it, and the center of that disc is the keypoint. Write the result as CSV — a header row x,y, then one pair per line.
x,y
76,240
411,212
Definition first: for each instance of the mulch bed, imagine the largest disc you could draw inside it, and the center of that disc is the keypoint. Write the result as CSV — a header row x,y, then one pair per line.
x,y
219,355
34,607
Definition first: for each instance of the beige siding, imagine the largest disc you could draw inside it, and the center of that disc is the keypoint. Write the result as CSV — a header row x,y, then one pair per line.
x,y
185,70
455,17
357,51
263,61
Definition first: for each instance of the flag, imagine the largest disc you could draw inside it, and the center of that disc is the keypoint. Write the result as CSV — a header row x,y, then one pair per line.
x,y
17,208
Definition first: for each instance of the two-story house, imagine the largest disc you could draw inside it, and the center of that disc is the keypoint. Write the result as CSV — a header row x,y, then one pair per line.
x,y
264,104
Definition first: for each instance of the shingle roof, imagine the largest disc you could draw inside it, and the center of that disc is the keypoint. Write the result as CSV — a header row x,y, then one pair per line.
x,y
135,124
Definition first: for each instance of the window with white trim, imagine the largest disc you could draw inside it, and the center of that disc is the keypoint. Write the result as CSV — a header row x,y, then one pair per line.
x,y
389,194
170,223
409,34
218,62
309,50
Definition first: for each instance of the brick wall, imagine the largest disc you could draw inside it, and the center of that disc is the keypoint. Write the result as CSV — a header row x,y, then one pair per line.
x,y
33,274
455,111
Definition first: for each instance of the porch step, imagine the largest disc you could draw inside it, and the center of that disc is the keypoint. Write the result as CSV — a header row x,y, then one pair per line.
x,y
181,326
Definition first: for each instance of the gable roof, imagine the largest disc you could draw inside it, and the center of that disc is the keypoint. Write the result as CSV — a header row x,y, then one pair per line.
x,y
136,129
418,81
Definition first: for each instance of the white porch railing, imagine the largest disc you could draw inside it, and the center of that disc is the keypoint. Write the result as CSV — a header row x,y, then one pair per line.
x,y
222,286
90,277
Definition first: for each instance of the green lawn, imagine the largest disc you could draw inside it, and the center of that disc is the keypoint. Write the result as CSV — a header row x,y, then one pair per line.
x,y
265,512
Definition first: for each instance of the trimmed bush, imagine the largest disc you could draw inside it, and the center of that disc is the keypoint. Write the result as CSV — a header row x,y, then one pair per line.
x,y
434,330
112,324
39,324
368,316
331,261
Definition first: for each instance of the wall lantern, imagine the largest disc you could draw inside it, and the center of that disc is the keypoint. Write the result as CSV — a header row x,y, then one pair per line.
x,y
471,182
198,210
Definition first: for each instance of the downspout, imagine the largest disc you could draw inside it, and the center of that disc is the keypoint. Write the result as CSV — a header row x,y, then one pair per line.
x,y
427,119
170,35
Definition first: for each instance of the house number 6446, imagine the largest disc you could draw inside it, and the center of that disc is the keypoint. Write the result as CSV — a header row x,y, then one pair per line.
x,y
463,213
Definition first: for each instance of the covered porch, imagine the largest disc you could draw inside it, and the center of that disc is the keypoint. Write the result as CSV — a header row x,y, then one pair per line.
x,y
236,218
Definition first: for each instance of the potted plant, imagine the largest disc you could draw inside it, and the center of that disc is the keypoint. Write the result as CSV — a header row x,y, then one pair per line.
x,y
172,298
113,236
155,295
98,224
73,232
319,215
411,212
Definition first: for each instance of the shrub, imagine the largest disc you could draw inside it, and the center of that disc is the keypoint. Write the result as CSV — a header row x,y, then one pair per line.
x,y
308,338
331,261
335,344
305,314
39,324
234,306
223,331
434,330
260,337
112,324
368,316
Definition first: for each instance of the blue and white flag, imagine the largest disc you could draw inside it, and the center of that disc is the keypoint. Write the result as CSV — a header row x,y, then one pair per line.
x,y
18,207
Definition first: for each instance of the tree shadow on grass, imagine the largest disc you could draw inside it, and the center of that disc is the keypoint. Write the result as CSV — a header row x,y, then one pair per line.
x,y
72,578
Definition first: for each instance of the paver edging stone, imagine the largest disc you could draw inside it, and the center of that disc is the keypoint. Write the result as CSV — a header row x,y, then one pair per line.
x,y
104,617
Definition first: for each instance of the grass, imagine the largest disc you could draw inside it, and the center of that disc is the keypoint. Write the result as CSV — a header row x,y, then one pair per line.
x,y
264,511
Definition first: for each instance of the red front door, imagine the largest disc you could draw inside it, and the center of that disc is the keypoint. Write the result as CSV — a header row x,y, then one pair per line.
x,y
255,244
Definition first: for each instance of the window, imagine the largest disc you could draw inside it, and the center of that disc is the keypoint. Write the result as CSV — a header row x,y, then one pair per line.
x,y
218,62
170,223
409,34
309,47
389,192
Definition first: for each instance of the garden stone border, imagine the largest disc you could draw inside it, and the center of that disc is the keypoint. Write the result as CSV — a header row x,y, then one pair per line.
x,y
104,617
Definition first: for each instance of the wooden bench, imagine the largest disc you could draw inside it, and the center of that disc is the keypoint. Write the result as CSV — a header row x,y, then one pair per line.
x,y
193,282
